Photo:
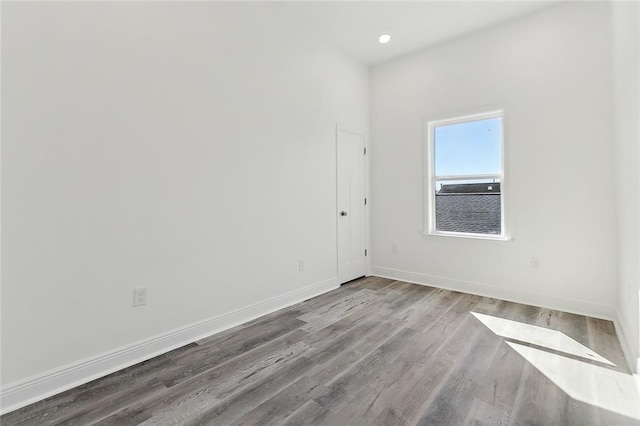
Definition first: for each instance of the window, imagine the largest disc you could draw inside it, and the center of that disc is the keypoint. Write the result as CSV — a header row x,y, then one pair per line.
x,y
465,177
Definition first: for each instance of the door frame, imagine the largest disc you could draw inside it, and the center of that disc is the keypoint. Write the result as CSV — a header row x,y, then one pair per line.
x,y
367,231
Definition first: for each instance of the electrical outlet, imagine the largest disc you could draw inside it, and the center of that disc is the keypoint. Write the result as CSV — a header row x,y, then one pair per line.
x,y
534,263
139,296
300,265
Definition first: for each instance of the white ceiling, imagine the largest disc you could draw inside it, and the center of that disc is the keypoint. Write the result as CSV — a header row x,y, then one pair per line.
x,y
354,27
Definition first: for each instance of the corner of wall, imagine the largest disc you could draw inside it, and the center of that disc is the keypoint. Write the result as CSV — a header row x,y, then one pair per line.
x,y
630,353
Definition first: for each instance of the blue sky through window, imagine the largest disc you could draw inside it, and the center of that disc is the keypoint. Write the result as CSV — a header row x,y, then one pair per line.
x,y
468,148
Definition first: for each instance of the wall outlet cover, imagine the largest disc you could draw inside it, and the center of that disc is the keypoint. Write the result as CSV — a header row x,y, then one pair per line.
x,y
139,296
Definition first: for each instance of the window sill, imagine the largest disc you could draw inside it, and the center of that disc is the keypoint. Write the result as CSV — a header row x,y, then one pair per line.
x,y
459,235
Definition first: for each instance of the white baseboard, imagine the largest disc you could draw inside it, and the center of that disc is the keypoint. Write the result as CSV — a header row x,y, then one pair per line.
x,y
632,356
24,392
550,302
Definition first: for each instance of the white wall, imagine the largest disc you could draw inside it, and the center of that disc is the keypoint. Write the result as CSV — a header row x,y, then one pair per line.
x,y
551,72
188,148
626,60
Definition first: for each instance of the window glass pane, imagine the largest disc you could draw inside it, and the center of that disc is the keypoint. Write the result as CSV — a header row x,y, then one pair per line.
x,y
473,147
470,206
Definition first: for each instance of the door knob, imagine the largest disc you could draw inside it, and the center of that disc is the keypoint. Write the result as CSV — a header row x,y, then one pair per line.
x,y
343,213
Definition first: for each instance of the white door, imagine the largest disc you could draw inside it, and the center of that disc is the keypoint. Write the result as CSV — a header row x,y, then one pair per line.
x,y
351,206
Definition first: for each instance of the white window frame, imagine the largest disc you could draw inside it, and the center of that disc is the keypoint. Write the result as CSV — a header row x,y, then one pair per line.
x,y
431,178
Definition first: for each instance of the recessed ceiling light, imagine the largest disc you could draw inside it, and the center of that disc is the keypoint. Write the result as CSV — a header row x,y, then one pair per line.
x,y
384,39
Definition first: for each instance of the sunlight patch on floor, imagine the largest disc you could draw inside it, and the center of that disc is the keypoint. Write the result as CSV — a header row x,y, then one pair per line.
x,y
599,386
560,359
539,336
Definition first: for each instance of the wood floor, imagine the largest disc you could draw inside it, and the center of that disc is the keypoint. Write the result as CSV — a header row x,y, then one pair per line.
x,y
374,352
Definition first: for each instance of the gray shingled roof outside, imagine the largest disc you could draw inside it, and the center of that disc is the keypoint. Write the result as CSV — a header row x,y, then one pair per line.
x,y
469,208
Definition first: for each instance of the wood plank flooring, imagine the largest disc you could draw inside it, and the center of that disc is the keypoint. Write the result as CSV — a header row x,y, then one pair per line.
x,y
374,352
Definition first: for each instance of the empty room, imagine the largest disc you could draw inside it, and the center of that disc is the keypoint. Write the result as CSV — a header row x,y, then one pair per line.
x,y
320,213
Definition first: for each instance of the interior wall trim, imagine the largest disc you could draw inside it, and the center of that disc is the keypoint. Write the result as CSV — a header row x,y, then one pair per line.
x,y
574,306
632,356
35,388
